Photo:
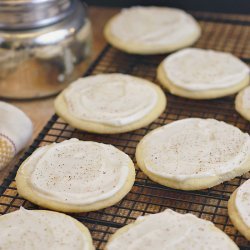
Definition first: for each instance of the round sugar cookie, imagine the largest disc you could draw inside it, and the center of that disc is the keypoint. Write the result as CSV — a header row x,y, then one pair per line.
x,y
202,74
239,209
76,176
242,103
194,153
41,229
169,230
151,30
110,103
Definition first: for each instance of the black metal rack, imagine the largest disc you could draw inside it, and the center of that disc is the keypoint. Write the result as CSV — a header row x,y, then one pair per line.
x,y
220,32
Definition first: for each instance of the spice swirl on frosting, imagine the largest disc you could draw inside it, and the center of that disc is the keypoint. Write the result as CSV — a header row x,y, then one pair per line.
x,y
170,230
153,25
150,30
110,103
42,230
198,69
76,174
112,99
194,148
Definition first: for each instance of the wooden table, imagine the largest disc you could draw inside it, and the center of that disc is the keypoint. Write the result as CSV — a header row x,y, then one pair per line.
x,y
40,111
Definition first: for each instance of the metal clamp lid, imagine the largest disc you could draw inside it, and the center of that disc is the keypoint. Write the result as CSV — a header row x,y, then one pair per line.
x,y
30,14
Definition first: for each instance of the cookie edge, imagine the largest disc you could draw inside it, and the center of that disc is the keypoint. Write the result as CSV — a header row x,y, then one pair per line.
x,y
236,218
245,113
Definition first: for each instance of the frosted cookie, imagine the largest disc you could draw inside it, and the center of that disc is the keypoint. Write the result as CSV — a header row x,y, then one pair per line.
x,y
110,103
40,229
151,30
239,209
203,74
76,176
242,103
194,153
169,230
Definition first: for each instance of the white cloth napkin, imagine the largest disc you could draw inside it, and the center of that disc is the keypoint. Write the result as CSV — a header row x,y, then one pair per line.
x,y
15,131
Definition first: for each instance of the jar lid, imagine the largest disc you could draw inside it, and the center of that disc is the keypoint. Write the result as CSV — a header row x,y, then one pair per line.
x,y
30,14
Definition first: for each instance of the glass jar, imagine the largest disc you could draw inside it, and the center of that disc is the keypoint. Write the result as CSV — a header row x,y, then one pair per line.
x,y
44,45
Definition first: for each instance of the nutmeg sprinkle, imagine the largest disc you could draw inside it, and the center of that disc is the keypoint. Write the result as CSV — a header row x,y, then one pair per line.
x,y
78,172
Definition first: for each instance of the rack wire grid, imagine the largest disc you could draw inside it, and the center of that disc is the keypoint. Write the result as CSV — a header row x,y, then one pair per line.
x,y
223,32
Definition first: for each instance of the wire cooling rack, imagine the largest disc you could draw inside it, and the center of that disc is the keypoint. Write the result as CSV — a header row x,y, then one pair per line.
x,y
220,32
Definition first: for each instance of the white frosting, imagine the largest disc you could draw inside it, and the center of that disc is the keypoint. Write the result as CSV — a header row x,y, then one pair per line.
x,y
198,69
77,172
26,229
170,231
246,98
194,148
113,99
153,26
242,202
